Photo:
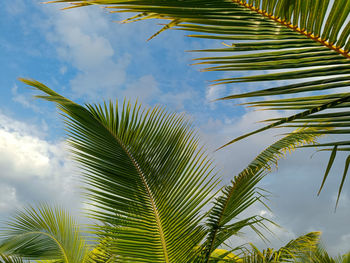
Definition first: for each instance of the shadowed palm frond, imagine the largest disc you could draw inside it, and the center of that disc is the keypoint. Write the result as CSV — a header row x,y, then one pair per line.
x,y
146,177
43,233
296,41
243,192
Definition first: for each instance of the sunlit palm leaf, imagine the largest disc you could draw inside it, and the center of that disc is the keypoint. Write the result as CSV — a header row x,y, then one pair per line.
x,y
222,256
243,193
43,233
302,247
299,37
101,253
146,176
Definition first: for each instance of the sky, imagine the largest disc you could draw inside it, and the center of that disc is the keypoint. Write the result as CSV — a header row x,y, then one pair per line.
x,y
85,55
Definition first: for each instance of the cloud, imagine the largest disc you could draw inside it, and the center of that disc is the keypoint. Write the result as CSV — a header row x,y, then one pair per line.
x,y
179,101
33,169
86,47
15,7
23,99
213,93
103,59
8,198
144,89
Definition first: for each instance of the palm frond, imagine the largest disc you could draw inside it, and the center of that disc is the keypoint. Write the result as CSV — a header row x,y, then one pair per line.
x,y
320,255
243,192
43,233
304,38
300,248
223,255
146,176
101,253
10,259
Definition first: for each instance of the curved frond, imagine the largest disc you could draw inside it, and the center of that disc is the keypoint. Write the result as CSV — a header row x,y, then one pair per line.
x,y
291,39
243,192
320,255
146,176
43,233
301,248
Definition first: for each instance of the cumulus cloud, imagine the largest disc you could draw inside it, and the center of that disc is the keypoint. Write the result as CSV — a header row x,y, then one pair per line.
x,y
104,59
83,44
33,169
8,198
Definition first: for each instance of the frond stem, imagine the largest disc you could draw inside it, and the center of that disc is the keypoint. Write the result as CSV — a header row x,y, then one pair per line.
x,y
154,207
293,27
149,193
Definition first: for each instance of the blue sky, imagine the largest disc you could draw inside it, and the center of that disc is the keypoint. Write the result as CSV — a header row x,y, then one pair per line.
x,y
86,56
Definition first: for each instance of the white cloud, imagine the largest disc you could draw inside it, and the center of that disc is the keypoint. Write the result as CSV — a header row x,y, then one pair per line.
x,y
178,101
33,169
213,93
8,199
84,45
109,57
144,89
23,99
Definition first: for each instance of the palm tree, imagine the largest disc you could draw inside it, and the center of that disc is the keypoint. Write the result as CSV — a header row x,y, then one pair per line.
x,y
152,189
307,39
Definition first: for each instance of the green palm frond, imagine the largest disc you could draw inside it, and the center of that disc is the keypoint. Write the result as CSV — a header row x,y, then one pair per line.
x,y
146,176
242,193
303,38
101,253
320,255
43,233
302,247
223,256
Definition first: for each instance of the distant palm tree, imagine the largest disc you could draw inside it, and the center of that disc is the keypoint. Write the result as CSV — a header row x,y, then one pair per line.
x,y
307,39
152,189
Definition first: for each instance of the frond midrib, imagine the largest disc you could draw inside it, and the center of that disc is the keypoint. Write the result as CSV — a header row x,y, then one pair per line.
x,y
295,28
148,190
228,196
